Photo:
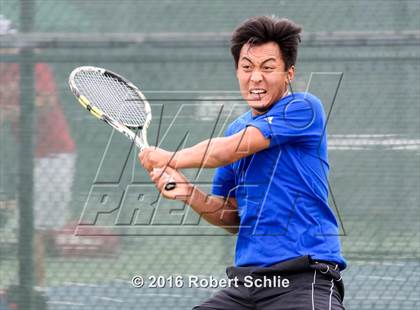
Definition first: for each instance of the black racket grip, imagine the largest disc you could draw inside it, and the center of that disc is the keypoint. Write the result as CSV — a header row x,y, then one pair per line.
x,y
170,186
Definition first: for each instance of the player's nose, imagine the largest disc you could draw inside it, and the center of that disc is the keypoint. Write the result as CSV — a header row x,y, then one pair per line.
x,y
256,76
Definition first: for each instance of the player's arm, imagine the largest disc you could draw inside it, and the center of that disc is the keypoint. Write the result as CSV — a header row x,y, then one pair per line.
x,y
212,153
215,210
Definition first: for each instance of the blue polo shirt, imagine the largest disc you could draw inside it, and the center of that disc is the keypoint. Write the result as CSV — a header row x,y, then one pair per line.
x,y
282,191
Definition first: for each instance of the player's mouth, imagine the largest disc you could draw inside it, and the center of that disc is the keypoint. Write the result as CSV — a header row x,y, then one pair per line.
x,y
257,93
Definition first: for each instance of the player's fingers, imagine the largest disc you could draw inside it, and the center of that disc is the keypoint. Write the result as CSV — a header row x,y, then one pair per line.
x,y
159,177
146,159
153,177
141,155
176,176
161,182
155,174
142,158
144,153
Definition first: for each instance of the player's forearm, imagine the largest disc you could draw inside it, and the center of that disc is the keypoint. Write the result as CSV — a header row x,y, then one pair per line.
x,y
215,210
211,153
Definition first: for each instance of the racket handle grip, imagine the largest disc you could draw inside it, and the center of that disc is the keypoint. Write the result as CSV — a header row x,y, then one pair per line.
x,y
170,185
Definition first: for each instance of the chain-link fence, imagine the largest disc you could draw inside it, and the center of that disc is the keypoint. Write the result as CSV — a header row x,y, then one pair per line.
x,y
361,58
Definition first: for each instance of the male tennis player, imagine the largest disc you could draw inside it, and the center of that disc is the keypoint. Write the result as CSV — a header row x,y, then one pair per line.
x,y
270,184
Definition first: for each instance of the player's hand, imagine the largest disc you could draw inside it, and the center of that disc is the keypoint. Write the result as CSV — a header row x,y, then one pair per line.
x,y
152,157
162,176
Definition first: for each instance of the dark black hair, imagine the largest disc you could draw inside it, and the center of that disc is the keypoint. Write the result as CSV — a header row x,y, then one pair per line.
x,y
263,29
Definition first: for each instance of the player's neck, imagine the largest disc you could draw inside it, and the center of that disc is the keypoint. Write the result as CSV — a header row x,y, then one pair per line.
x,y
263,111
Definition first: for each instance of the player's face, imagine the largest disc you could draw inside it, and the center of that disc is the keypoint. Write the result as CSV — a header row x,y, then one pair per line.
x,y
262,77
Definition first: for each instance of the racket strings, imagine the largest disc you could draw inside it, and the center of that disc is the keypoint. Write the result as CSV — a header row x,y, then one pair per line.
x,y
113,97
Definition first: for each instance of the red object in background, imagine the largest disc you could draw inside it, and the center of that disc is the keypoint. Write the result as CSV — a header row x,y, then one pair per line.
x,y
90,241
53,132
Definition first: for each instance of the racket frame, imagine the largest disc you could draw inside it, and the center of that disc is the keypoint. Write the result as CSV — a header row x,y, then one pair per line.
x,y
129,131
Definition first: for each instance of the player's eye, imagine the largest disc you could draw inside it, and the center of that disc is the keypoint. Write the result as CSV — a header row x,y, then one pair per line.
x,y
246,67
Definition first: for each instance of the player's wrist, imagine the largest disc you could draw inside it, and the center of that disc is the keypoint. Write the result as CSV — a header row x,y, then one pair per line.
x,y
173,159
191,194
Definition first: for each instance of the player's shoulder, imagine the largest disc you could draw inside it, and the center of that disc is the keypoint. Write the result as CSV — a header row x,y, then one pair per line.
x,y
306,97
239,123
298,102
301,97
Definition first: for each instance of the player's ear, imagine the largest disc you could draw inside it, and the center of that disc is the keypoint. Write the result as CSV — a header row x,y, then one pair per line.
x,y
291,73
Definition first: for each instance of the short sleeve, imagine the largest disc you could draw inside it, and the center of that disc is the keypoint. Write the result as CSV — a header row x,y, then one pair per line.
x,y
299,120
224,177
224,182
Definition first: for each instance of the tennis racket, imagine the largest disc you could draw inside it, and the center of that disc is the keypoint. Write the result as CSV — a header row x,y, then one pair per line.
x,y
115,100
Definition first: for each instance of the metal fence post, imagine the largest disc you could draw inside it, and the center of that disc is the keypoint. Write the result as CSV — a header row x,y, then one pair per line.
x,y
26,162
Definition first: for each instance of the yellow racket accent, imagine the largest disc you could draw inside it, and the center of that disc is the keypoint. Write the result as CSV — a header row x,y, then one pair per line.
x,y
93,110
84,101
96,112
